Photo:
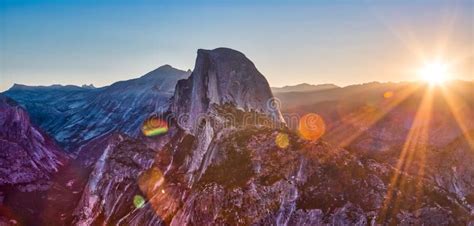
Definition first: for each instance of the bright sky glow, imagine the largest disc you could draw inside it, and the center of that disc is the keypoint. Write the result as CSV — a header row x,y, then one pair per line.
x,y
341,42
435,72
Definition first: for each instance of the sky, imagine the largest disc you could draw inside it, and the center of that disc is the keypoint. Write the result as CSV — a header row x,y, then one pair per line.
x,y
290,42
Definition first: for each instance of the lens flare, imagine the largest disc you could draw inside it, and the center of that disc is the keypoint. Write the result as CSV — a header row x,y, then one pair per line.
x,y
311,127
282,140
159,194
138,201
388,94
150,181
154,126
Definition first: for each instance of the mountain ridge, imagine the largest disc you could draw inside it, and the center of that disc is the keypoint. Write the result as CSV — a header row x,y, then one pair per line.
x,y
17,86
303,87
75,115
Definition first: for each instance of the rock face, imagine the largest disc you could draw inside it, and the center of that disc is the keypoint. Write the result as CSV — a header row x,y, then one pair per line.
x,y
225,170
76,115
29,159
222,76
28,156
113,178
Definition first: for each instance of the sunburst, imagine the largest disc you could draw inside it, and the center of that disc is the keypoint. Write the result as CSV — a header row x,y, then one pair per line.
x,y
435,72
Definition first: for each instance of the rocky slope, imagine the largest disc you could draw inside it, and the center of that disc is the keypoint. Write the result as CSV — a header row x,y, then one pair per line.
x,y
214,166
424,131
76,115
29,159
28,156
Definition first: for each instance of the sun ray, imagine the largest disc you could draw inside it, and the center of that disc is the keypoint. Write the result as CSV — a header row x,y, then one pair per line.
x,y
405,36
457,110
446,29
416,155
414,145
343,135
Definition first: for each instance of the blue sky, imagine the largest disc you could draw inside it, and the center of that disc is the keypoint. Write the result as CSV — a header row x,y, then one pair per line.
x,y
341,42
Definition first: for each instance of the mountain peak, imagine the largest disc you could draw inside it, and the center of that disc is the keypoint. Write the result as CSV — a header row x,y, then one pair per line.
x,y
223,52
165,67
90,86
223,76
164,71
17,86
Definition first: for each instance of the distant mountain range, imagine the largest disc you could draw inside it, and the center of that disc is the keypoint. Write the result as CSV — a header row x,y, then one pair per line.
x,y
74,115
51,87
303,87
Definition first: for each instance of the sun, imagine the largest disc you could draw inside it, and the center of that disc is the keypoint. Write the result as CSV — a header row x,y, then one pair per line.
x,y
435,73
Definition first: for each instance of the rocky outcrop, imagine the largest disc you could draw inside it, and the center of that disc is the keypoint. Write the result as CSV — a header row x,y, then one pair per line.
x,y
222,77
28,156
224,91
112,183
29,160
250,179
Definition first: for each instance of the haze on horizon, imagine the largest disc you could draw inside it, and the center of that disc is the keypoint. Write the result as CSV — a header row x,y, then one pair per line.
x,y
347,42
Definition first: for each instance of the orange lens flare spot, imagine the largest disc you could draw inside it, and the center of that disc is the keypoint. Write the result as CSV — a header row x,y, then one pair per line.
x,y
282,140
158,193
150,181
388,94
154,126
311,127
